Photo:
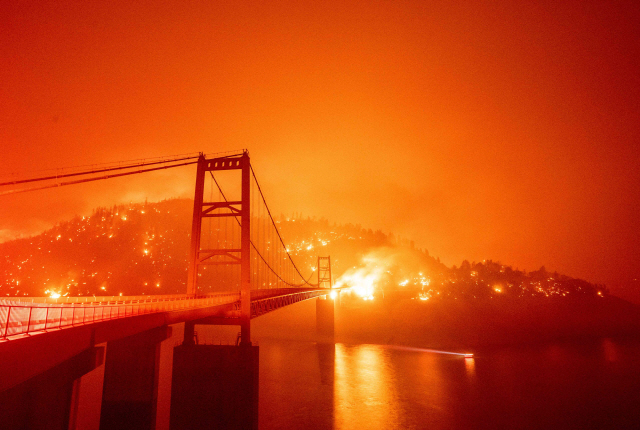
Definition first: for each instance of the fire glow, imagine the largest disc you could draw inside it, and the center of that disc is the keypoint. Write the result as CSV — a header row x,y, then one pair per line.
x,y
52,294
364,280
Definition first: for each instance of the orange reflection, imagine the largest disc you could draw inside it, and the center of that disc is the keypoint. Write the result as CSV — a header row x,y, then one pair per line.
x,y
364,386
470,365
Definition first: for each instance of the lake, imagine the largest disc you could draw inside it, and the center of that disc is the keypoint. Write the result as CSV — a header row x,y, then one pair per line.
x,y
577,385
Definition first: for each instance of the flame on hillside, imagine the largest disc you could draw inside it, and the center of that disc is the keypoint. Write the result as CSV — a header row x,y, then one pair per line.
x,y
375,268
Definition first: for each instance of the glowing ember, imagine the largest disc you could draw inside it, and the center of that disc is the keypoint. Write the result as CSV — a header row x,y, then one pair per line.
x,y
53,294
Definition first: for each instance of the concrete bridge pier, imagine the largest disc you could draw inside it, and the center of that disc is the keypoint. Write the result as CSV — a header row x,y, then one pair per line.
x,y
214,386
47,400
86,398
325,312
130,388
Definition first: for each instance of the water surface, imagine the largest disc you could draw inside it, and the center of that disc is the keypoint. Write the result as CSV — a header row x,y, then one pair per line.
x,y
588,385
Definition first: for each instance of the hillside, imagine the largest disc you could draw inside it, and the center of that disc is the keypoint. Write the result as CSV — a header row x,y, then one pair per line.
x,y
142,249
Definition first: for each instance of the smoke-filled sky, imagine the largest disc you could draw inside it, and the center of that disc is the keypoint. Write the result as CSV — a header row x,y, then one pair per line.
x,y
499,130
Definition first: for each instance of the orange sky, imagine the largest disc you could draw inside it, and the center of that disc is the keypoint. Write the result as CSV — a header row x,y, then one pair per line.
x,y
508,131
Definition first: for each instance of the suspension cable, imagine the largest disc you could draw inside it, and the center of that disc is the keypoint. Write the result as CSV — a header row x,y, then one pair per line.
x,y
305,281
100,170
80,181
274,224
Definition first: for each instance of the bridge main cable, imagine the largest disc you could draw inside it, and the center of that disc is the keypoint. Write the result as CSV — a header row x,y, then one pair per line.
x,y
102,170
89,172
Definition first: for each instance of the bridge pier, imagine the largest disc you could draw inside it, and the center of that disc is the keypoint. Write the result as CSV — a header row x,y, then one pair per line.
x,y
46,400
86,398
325,312
214,386
130,388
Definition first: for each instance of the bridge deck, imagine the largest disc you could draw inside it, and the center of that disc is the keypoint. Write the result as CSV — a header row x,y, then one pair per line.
x,y
38,335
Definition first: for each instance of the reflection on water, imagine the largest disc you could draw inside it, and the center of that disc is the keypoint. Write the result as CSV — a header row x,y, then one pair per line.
x,y
316,386
470,365
326,363
365,386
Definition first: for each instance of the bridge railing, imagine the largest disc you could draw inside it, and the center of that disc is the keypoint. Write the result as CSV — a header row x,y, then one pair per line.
x,y
39,314
99,299
19,318
260,294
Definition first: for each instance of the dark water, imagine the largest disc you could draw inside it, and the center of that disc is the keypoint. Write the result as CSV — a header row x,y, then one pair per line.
x,y
588,385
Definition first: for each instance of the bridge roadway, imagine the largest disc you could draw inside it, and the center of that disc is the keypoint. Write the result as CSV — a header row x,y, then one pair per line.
x,y
37,334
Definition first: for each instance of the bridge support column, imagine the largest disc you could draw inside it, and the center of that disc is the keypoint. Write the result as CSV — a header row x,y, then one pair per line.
x,y
214,386
130,389
189,333
46,400
86,398
325,310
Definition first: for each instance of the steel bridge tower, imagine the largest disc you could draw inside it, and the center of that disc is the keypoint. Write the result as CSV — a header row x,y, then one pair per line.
x,y
324,272
223,256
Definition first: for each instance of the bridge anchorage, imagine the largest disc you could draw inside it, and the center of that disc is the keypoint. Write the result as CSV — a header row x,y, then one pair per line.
x,y
84,363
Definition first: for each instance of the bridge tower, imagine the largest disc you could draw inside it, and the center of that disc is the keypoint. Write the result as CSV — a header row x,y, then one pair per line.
x,y
216,386
240,209
325,306
324,272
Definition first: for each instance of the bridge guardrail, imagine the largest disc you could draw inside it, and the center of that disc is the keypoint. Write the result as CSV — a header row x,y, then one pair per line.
x,y
100,299
21,317
18,318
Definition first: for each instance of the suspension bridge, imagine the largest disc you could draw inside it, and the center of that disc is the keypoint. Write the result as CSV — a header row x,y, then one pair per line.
x,y
239,268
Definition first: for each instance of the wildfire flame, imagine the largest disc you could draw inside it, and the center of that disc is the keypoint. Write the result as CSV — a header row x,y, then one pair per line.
x,y
52,294
364,280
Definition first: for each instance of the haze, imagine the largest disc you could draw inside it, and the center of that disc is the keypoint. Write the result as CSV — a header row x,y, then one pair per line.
x,y
507,131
